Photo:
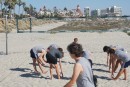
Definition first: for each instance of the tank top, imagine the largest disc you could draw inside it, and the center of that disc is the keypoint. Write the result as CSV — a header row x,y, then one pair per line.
x,y
85,78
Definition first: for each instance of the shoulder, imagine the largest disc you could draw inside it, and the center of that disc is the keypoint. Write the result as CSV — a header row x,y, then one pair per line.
x,y
77,66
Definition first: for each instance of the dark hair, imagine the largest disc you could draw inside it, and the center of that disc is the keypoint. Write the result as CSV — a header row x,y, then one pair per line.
x,y
61,50
75,40
75,49
106,48
111,51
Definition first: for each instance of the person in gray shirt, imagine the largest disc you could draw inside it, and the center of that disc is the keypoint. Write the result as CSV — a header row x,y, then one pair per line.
x,y
82,72
113,62
37,54
125,58
53,54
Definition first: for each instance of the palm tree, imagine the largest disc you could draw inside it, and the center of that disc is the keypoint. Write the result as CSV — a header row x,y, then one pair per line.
x,y
1,2
19,3
11,6
65,9
26,9
15,3
24,4
6,4
30,9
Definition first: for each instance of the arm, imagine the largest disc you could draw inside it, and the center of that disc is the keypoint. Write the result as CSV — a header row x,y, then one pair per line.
x,y
115,63
119,74
108,58
76,71
41,58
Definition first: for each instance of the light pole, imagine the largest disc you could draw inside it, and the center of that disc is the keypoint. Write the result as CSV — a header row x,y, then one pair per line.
x,y
6,32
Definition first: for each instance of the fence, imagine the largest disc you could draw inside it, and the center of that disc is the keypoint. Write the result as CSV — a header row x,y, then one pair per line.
x,y
27,24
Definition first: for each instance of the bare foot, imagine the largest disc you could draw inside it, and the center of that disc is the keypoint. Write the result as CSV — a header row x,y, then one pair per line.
x,y
124,79
44,72
59,77
62,74
114,78
51,78
35,71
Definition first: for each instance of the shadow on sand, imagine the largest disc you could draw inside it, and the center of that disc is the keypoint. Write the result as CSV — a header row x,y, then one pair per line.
x,y
71,63
103,77
100,64
63,61
34,75
43,65
65,78
21,69
101,70
29,73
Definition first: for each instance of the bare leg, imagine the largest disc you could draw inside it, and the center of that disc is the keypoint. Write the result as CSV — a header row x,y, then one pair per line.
x,y
51,67
34,65
41,61
125,74
57,71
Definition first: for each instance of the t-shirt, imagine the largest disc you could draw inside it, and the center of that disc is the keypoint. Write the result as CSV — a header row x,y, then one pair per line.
x,y
53,46
117,47
38,49
85,54
55,53
85,79
122,55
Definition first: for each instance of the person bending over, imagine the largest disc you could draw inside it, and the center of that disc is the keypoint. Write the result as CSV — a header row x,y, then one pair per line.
x,y
125,58
52,55
37,54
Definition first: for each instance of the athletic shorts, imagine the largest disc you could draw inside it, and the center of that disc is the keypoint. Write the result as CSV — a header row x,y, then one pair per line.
x,y
125,65
32,54
51,59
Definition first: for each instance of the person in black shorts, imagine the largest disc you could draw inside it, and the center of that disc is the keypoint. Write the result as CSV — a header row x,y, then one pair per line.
x,y
37,54
52,54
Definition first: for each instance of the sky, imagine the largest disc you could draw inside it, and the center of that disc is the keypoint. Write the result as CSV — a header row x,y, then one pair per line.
x,y
72,4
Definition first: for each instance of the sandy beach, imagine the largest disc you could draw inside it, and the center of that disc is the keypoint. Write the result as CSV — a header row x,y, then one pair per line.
x,y
16,67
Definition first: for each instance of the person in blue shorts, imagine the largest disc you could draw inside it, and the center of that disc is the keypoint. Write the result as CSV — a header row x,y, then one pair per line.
x,y
113,62
125,58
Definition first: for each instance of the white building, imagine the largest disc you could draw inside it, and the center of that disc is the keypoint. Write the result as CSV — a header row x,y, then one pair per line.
x,y
116,11
111,11
95,13
104,12
87,12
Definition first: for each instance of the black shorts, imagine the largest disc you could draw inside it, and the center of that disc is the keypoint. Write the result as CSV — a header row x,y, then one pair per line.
x,y
127,64
32,54
51,59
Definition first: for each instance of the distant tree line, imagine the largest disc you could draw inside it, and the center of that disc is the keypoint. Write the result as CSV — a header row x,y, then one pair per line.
x,y
8,7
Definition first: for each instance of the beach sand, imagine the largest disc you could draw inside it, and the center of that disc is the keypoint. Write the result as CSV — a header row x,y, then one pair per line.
x,y
16,67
